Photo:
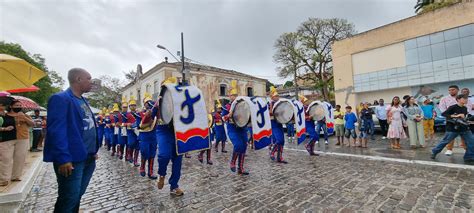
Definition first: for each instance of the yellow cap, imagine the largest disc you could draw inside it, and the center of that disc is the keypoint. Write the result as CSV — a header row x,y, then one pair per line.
x,y
233,88
170,80
302,98
147,97
273,92
103,111
124,101
116,108
218,104
107,113
132,101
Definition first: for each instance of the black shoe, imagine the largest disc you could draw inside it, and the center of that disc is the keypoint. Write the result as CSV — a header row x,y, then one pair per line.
x,y
243,172
433,156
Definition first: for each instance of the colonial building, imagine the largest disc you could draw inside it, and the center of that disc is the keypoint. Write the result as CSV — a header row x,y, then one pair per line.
x,y
420,56
214,82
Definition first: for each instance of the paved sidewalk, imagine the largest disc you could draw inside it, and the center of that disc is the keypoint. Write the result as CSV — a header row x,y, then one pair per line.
x,y
381,148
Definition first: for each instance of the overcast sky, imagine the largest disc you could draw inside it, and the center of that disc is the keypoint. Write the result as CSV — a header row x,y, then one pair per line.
x,y
110,37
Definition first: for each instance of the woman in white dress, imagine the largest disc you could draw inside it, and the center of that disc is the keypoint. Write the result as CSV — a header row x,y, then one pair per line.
x,y
395,120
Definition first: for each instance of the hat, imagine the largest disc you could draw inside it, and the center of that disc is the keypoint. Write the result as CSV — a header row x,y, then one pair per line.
x,y
170,80
147,97
302,98
124,102
116,108
273,92
104,111
132,101
233,88
218,103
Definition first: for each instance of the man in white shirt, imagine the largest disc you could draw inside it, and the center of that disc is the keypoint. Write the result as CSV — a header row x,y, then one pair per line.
x,y
443,106
381,113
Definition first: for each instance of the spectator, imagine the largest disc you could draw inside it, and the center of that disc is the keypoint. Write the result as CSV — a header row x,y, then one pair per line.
x,y
15,143
350,119
395,121
469,104
428,118
7,146
37,129
414,120
404,117
43,133
455,129
71,141
381,114
366,124
376,103
444,104
339,125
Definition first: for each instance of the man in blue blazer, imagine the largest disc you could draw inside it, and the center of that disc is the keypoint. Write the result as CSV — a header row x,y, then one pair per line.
x,y
71,140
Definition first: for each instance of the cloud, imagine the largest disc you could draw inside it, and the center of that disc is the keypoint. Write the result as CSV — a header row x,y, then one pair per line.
x,y
110,37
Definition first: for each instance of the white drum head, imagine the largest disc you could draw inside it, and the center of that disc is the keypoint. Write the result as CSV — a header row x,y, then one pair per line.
x,y
166,106
283,112
241,114
317,111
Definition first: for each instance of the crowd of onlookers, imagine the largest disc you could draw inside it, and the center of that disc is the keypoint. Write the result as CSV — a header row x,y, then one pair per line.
x,y
15,130
406,117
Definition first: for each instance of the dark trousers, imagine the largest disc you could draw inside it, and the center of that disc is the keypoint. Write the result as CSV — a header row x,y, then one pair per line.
x,y
71,188
36,139
383,127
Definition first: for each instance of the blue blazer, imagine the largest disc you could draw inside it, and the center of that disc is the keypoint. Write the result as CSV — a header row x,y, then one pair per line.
x,y
64,141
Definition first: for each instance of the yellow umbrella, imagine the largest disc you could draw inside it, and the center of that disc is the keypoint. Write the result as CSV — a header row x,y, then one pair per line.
x,y
17,73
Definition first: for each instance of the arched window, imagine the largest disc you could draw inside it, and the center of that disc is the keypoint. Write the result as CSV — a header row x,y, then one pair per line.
x,y
250,91
223,90
148,88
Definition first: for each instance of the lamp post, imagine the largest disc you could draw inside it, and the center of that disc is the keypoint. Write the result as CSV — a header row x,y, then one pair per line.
x,y
182,57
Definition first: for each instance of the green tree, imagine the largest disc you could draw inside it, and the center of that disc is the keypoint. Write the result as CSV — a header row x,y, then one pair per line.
x,y
108,94
424,6
48,85
309,51
288,84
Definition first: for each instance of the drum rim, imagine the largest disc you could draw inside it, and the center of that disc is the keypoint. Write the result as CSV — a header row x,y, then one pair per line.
x,y
162,92
250,117
316,105
291,107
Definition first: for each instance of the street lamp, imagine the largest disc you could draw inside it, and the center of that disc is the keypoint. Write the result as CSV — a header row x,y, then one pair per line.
x,y
182,57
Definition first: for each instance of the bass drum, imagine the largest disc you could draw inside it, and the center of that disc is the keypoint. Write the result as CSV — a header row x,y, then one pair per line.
x,y
241,113
283,112
317,111
166,106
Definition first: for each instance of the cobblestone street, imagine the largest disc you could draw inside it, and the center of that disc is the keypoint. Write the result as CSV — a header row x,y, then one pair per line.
x,y
312,184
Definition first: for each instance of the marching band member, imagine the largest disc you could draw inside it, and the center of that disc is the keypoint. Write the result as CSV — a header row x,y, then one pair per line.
x,y
147,136
310,127
101,126
237,135
115,125
108,129
167,152
122,134
219,128
208,151
277,130
133,121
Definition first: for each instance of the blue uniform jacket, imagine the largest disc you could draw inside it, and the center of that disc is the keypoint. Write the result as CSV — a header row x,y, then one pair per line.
x,y
64,141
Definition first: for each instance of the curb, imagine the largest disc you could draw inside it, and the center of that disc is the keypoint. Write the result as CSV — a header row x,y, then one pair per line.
x,y
378,158
12,199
